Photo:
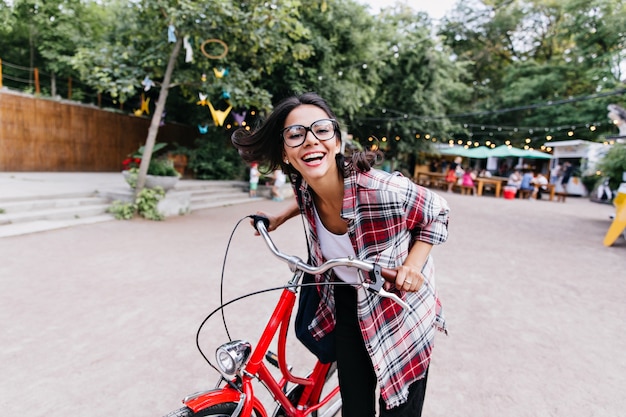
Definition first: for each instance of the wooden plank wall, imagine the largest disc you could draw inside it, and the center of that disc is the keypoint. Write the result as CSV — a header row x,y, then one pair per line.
x,y
46,135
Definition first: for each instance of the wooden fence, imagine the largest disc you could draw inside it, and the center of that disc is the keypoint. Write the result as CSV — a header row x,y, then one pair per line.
x,y
47,135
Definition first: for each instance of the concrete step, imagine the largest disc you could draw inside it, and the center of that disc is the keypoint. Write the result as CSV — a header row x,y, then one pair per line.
x,y
51,203
39,212
35,226
54,213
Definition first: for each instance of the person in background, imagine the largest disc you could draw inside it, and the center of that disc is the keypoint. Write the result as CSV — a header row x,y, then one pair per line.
x,y
527,182
555,174
254,179
453,174
568,169
468,179
345,203
540,182
279,180
515,179
434,165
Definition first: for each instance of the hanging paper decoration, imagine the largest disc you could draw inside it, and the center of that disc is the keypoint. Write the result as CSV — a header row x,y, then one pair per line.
x,y
203,78
221,72
147,83
202,101
239,117
225,95
217,41
219,116
171,34
144,106
203,129
188,49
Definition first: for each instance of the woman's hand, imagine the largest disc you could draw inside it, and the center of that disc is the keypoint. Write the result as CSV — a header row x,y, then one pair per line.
x,y
276,220
409,278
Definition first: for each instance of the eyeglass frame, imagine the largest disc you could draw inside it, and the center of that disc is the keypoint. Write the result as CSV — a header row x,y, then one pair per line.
x,y
308,129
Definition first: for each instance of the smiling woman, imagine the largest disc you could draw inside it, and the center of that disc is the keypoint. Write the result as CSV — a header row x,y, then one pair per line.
x,y
353,210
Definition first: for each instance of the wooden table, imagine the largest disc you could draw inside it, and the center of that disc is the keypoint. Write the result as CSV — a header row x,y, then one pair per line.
x,y
550,188
430,179
497,181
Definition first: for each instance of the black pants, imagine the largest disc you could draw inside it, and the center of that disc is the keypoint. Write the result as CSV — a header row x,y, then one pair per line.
x,y
357,380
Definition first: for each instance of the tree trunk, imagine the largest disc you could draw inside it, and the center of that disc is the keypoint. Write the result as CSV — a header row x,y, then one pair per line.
x,y
156,118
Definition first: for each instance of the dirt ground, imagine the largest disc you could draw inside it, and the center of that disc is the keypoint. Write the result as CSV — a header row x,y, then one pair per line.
x,y
101,319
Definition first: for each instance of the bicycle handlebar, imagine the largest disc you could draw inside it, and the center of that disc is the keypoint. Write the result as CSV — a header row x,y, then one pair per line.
x,y
377,273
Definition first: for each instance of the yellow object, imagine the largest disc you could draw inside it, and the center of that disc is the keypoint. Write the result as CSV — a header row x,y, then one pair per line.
x,y
219,73
219,116
619,222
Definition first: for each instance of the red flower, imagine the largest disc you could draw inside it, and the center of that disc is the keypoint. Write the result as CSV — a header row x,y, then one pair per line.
x,y
129,163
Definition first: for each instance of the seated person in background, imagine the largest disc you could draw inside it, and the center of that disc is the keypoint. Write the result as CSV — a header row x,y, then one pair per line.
x,y
485,174
540,182
527,182
468,179
454,173
515,179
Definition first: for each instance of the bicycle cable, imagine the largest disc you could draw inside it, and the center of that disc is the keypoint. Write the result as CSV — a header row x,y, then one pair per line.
x,y
225,304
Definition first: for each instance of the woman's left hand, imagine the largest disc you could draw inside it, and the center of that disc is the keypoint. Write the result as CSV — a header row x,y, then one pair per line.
x,y
408,279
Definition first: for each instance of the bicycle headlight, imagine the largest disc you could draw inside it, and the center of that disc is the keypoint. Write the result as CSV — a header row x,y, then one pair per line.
x,y
232,356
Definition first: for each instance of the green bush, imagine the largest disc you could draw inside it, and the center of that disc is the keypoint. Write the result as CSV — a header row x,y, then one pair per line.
x,y
162,167
214,158
613,165
144,205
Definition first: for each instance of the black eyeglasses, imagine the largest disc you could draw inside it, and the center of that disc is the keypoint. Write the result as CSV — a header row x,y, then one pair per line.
x,y
295,135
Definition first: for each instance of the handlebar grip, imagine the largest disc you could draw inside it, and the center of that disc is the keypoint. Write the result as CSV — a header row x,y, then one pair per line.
x,y
389,274
256,218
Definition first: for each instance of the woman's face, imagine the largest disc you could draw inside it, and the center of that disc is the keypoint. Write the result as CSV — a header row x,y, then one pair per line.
x,y
315,158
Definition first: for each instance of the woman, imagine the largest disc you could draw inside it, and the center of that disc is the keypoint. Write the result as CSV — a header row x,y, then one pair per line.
x,y
454,172
353,210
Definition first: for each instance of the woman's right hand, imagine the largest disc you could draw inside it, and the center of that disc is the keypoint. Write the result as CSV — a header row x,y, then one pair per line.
x,y
276,220
273,221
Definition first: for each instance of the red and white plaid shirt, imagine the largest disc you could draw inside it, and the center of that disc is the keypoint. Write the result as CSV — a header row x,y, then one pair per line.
x,y
385,214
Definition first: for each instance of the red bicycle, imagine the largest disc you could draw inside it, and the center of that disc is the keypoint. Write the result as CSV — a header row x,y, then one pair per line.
x,y
239,364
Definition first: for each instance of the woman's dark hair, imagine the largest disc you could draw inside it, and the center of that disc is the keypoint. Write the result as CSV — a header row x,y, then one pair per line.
x,y
265,145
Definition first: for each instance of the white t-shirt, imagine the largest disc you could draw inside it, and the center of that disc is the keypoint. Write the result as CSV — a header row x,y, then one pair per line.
x,y
337,246
279,178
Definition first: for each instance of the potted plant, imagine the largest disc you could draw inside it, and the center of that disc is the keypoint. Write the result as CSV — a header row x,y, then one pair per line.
x,y
161,171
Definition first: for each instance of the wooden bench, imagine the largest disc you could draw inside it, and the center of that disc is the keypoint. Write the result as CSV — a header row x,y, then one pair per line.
x,y
524,193
560,196
466,189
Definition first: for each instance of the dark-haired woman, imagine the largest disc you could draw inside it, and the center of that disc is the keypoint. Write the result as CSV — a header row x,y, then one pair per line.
x,y
355,210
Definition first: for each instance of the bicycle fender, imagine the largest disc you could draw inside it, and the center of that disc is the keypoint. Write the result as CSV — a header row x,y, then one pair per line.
x,y
219,396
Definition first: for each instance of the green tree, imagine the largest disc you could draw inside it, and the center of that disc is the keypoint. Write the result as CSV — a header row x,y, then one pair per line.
x,y
258,35
419,84
534,61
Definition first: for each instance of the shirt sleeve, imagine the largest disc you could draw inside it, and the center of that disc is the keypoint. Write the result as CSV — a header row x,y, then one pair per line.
x,y
426,215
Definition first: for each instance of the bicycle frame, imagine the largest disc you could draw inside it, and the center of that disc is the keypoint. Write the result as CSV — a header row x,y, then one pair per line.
x,y
240,390
308,402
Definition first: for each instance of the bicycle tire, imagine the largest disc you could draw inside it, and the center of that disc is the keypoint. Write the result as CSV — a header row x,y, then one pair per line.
x,y
217,410
295,393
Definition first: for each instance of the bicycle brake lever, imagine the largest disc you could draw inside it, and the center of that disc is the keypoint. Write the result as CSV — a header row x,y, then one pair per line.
x,y
376,286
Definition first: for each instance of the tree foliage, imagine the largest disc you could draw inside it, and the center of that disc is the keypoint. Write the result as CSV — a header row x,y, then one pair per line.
x,y
497,70
532,58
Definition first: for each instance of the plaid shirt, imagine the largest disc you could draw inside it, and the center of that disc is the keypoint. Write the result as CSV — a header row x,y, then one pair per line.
x,y
386,213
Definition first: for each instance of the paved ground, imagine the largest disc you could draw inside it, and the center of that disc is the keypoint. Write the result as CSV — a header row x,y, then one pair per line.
x,y
101,319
